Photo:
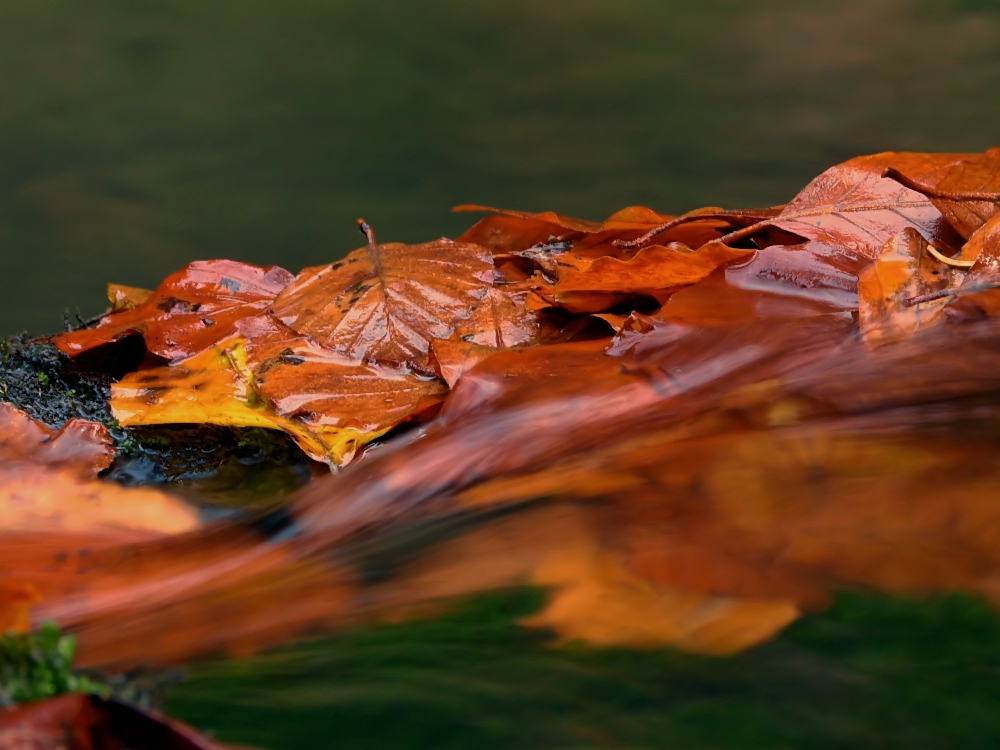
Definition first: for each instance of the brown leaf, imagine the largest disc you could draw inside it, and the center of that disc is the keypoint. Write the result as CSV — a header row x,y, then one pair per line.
x,y
654,271
386,303
189,312
855,209
80,445
452,358
953,188
268,376
978,295
903,290
556,243
88,722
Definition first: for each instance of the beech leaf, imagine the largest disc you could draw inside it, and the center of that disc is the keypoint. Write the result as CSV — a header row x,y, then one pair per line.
x,y
385,304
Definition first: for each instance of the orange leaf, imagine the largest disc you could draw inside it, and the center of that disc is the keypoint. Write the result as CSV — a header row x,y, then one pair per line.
x,y
952,188
653,270
190,311
892,291
16,601
127,297
80,445
267,376
385,304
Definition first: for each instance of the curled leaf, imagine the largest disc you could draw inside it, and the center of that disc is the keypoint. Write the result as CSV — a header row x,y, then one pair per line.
x,y
189,312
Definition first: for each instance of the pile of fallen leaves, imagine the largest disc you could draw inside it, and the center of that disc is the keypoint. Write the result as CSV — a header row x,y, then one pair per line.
x,y
691,428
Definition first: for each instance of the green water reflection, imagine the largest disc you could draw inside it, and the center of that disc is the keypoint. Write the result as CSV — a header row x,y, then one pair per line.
x,y
872,672
136,135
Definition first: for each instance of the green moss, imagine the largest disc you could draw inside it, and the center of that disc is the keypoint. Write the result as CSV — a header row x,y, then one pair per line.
x,y
870,672
40,665
247,468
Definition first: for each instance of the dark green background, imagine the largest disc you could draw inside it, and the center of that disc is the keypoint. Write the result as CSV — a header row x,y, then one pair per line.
x,y
871,672
136,135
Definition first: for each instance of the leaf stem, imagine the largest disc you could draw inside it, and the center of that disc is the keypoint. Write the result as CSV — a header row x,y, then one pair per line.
x,y
958,195
949,261
373,252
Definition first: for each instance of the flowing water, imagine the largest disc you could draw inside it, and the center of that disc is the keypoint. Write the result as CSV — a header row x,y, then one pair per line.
x,y
137,135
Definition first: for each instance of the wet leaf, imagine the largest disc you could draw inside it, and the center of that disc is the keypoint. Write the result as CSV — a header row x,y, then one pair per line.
x,y
80,445
189,312
268,376
87,722
966,191
655,271
16,601
905,289
714,469
854,208
979,293
385,304
127,297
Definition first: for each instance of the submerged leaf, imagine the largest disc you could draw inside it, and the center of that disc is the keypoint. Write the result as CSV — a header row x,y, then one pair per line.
x,y
904,290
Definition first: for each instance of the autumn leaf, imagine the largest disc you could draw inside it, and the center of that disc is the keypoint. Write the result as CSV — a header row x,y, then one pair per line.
x,y
80,445
452,359
53,501
979,293
903,290
47,490
268,376
702,477
854,208
16,601
385,304
69,721
966,191
189,312
47,485
559,244
127,297
655,271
